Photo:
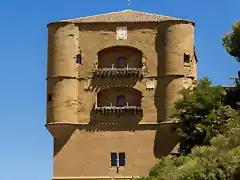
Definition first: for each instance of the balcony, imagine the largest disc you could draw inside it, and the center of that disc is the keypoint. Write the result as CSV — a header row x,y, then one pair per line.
x,y
118,72
119,102
119,61
115,111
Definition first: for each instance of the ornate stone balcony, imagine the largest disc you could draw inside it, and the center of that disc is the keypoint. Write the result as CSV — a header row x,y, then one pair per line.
x,y
113,110
118,72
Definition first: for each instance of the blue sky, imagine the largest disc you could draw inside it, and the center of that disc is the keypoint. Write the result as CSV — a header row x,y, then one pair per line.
x,y
26,146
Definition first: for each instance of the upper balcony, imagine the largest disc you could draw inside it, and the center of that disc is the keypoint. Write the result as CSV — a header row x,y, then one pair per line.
x,y
119,61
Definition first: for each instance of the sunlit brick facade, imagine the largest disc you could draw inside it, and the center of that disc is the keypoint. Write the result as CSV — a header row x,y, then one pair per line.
x,y
111,83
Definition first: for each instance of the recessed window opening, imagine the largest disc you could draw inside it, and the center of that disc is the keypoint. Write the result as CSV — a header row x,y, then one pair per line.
x,y
121,62
121,101
49,98
186,58
121,159
79,59
113,159
118,159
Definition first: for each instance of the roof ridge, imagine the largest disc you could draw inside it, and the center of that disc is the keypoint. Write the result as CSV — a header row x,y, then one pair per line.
x,y
126,15
102,14
149,13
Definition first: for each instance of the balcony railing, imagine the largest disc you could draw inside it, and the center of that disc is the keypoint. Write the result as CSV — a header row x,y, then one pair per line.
x,y
118,72
113,110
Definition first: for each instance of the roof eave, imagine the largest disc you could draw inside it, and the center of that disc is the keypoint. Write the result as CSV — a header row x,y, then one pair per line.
x,y
72,22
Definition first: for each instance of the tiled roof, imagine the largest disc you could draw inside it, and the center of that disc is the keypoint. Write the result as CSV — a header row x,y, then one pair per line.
x,y
123,16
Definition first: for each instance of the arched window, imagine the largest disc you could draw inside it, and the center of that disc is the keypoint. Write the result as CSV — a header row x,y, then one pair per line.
x,y
121,101
121,62
186,58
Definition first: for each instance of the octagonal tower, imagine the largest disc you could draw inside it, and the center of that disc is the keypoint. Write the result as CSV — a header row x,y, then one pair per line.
x,y
111,83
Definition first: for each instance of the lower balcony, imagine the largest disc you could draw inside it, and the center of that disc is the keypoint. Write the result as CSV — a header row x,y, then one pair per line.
x,y
118,72
116,101
115,111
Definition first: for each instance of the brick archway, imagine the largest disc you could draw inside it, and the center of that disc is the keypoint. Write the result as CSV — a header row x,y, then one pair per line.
x,y
110,96
109,57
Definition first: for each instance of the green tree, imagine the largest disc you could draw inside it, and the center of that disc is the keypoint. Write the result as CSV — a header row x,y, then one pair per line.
x,y
220,161
198,112
231,41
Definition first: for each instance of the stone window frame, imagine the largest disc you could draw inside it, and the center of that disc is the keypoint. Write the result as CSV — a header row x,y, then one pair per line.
x,y
186,58
122,62
79,58
121,101
117,159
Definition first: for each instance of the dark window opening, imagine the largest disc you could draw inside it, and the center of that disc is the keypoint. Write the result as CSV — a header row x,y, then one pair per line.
x,y
186,58
113,159
121,101
49,98
79,59
121,159
121,62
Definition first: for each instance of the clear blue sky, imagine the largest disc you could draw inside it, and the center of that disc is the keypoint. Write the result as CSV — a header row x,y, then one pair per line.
x,y
26,146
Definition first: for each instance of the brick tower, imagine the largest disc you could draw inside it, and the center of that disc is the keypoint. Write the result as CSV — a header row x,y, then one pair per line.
x,y
111,83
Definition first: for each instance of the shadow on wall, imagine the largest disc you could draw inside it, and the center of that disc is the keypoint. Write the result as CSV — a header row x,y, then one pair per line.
x,y
61,134
165,141
99,84
160,97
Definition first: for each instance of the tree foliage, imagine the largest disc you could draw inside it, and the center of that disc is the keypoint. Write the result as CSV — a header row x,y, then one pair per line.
x,y
231,41
220,161
199,112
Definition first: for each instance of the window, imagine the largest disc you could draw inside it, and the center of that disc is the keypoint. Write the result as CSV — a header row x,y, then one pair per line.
x,y
121,100
113,159
186,58
117,159
79,59
121,159
49,98
121,62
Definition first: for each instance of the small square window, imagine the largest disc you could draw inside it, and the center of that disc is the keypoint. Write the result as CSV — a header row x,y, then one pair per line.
x,y
121,62
113,159
79,59
121,101
121,159
186,58
49,98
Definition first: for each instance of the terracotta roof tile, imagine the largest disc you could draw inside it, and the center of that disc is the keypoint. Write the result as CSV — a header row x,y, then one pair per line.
x,y
123,16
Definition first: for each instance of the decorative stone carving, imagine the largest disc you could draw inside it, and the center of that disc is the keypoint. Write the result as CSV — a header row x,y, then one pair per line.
x,y
151,84
70,25
185,84
121,33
